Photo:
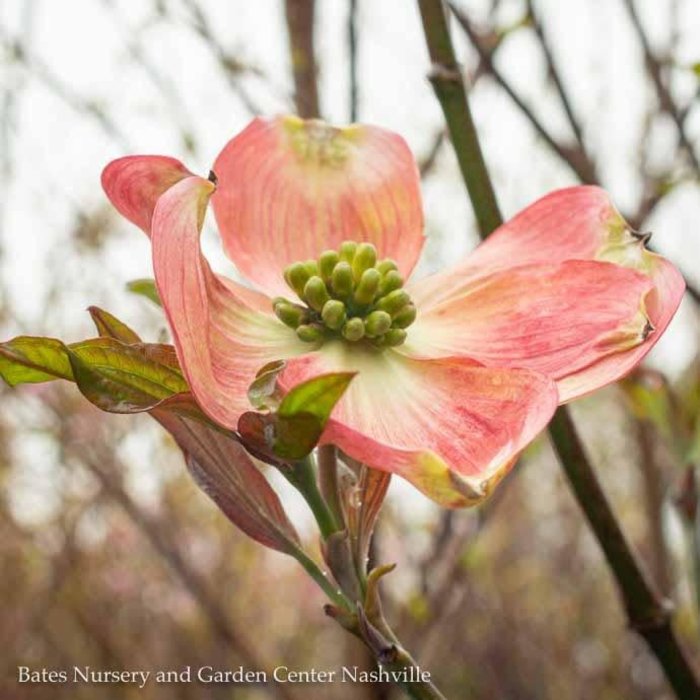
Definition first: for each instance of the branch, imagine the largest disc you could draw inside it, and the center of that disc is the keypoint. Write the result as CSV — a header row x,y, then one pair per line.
x,y
300,28
666,101
352,50
232,68
448,83
554,74
575,157
648,614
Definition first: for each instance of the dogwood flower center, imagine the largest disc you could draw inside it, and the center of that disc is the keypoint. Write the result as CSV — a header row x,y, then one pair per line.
x,y
347,294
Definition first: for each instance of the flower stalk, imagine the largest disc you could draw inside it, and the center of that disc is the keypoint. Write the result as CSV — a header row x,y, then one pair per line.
x,y
649,615
303,477
363,619
328,481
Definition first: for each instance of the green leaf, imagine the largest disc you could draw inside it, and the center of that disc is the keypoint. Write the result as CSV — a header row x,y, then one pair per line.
x,y
123,378
304,412
29,360
146,288
695,67
111,327
294,430
316,396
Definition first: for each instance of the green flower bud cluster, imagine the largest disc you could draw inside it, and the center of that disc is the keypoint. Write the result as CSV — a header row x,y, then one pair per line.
x,y
347,293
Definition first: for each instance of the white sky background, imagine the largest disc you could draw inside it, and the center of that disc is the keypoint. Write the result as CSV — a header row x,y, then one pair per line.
x,y
52,154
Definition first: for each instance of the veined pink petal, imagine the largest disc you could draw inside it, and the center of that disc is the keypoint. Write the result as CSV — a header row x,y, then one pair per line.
x,y
134,183
289,189
661,304
221,338
577,223
556,319
451,427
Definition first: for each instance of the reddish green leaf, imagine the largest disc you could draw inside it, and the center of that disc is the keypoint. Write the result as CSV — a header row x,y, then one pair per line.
x,y
294,429
225,472
111,327
29,360
123,378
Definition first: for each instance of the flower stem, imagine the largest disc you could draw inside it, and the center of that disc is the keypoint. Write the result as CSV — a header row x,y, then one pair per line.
x,y
328,482
303,477
395,658
648,614
322,579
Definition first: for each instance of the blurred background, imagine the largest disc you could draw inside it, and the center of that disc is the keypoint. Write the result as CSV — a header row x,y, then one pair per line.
x,y
109,555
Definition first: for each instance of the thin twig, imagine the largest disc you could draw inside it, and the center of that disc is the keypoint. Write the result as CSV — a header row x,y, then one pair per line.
x,y
666,101
555,75
233,68
353,59
428,161
574,156
39,69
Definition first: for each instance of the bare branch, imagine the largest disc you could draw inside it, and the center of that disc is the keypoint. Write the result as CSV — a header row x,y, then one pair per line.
x,y
300,29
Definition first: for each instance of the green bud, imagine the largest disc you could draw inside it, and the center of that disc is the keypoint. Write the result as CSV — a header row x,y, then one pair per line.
x,y
296,276
347,251
310,332
365,258
326,263
394,337
312,268
341,279
315,293
354,329
290,314
367,287
333,314
386,265
392,280
377,323
393,302
405,317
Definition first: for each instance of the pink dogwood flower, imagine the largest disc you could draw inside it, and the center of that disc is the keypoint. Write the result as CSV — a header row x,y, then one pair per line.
x,y
456,372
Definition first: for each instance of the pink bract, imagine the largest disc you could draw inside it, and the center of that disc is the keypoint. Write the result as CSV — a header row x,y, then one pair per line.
x,y
560,301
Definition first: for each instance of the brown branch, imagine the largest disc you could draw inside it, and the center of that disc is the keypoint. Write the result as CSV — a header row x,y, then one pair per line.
x,y
653,494
649,614
574,156
555,75
666,101
232,68
428,161
300,29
